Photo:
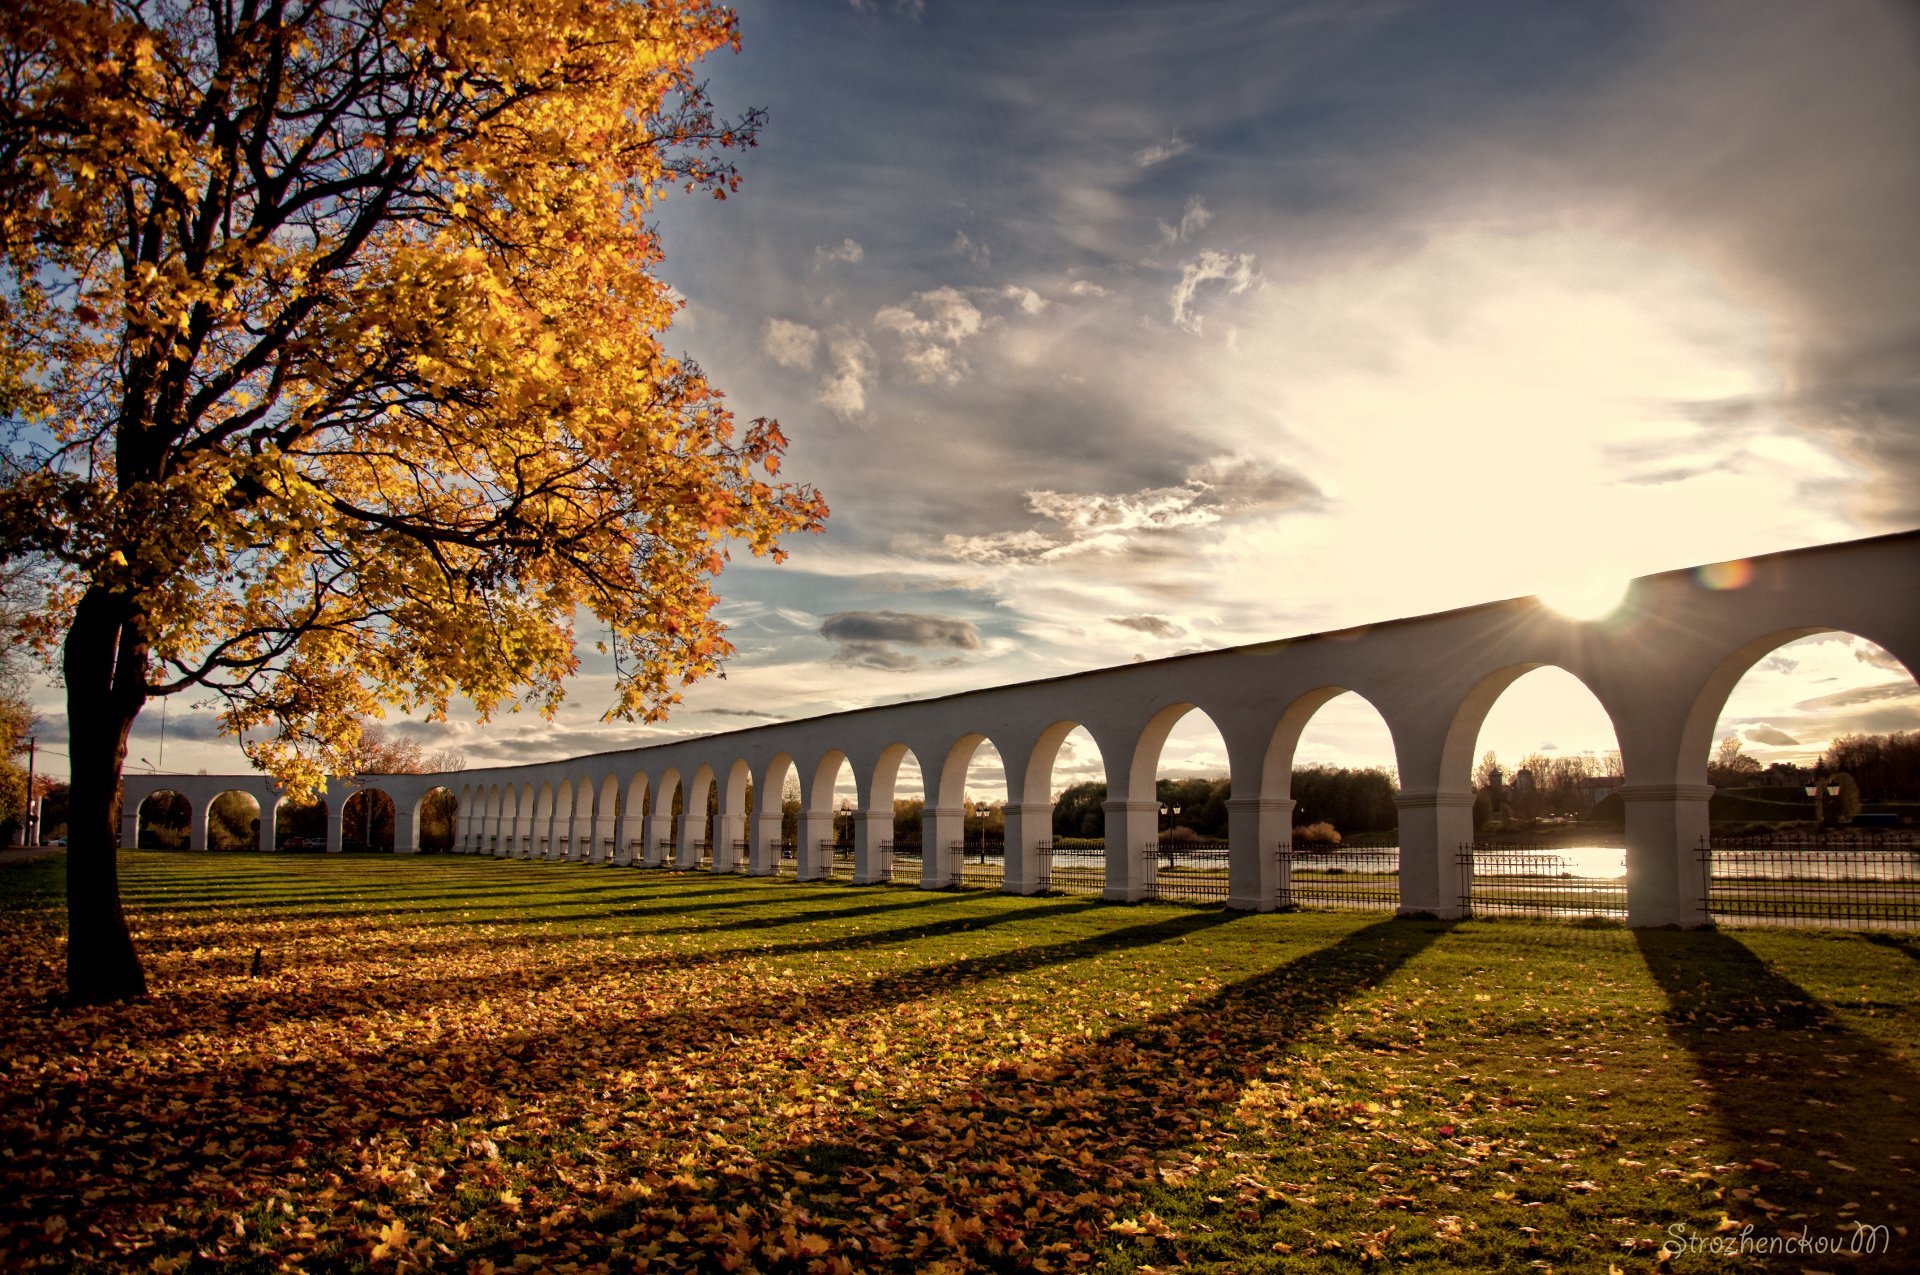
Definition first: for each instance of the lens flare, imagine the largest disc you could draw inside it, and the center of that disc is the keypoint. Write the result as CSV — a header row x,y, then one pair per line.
x,y
1724,575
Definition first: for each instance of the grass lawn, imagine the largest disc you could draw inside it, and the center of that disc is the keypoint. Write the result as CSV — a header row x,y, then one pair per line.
x,y
473,1064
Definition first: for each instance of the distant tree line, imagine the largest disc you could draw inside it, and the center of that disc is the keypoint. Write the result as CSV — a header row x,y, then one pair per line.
x,y
1352,800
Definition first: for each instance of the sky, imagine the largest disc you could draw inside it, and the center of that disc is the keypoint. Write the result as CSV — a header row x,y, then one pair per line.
x,y
1114,330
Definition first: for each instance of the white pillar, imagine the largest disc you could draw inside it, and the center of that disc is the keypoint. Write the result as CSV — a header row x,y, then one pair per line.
x,y
727,829
1258,829
630,827
941,828
764,859
659,828
406,831
270,823
1666,824
871,863
1029,826
336,824
129,824
1433,828
810,861
1133,827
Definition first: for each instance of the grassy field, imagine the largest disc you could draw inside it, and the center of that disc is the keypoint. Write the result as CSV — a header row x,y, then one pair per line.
x,y
476,1065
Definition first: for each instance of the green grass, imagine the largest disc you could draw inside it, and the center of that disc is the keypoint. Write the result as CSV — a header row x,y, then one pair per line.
x,y
453,1062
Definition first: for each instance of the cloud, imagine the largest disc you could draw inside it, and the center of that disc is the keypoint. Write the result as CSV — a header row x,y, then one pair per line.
x,y
1161,152
1029,301
973,250
1236,271
931,331
1087,288
1147,624
844,391
1879,693
868,638
1878,657
1192,221
790,344
1087,522
848,251
1769,735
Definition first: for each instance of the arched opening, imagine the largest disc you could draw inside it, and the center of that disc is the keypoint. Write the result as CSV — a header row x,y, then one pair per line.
x,y
580,829
1332,758
606,820
826,833
523,823
163,821
973,786
300,825
233,821
1548,816
635,806
1814,767
898,793
366,822
543,821
1832,712
465,805
702,802
1181,759
664,823
778,842
1068,772
730,834
436,819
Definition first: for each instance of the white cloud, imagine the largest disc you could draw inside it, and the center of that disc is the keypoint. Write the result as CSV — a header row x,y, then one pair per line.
x,y
1029,301
790,344
1195,218
931,330
1086,288
844,391
848,251
1236,272
1161,152
1089,522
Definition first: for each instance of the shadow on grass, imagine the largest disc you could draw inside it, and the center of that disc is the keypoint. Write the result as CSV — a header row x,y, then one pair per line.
x,y
1041,1148
1819,1116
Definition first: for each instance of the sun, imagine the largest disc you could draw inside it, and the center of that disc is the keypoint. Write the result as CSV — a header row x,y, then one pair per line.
x,y
1593,596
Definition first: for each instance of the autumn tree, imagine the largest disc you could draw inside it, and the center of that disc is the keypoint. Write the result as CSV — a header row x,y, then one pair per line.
x,y
333,352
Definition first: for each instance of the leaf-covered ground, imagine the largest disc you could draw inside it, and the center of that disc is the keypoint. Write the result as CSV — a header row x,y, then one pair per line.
x,y
476,1065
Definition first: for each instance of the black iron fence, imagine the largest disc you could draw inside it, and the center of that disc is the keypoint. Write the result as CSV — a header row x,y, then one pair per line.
x,y
1359,877
1077,866
1856,880
979,866
786,859
900,862
1192,871
838,856
1559,881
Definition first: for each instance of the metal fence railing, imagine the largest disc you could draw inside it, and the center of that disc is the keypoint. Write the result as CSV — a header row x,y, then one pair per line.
x,y
979,867
900,862
1851,880
1192,871
786,860
839,859
1079,867
1558,881
1323,876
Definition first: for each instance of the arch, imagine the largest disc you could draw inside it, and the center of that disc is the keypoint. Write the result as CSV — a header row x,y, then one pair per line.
x,y
732,844
233,821
664,817
164,821
695,839
775,828
1074,836
367,821
1703,716
1457,754
523,823
464,818
436,819
606,819
580,820
1283,761
300,825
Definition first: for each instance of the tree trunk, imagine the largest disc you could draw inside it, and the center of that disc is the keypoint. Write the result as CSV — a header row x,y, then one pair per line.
x,y
105,662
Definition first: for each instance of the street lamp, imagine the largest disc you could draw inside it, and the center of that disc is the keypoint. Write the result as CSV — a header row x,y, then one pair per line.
x,y
1819,790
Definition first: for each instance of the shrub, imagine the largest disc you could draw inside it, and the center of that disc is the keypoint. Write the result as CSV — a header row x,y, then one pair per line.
x,y
1318,834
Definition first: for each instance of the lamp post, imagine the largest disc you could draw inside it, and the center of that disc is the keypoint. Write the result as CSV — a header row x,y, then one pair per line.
x,y
1820,790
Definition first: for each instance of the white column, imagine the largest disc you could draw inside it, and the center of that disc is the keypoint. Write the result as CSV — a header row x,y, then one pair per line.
x,y
1132,829
270,823
764,859
129,824
941,828
629,828
1029,825
727,829
1257,830
811,862
336,823
1666,883
406,831
872,828
659,828
1433,828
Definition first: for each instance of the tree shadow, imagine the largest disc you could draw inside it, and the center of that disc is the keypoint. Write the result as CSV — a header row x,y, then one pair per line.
x,y
1814,1116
